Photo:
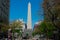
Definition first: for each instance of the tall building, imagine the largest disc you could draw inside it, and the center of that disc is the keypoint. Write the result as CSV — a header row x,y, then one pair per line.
x,y
29,21
4,16
4,12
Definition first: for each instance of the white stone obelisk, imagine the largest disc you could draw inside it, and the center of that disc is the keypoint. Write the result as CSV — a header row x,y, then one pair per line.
x,y
29,21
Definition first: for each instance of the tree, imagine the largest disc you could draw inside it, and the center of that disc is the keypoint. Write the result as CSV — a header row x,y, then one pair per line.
x,y
45,28
52,13
16,27
4,27
40,29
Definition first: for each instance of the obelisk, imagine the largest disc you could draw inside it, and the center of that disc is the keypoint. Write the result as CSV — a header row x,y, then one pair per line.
x,y
29,21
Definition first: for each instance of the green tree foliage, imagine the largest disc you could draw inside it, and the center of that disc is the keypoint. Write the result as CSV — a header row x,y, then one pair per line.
x,y
44,28
4,27
57,15
16,24
16,27
52,14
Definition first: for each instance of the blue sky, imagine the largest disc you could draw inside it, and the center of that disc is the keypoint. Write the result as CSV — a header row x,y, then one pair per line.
x,y
18,9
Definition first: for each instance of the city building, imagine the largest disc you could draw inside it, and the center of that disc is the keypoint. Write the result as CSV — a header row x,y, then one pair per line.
x,y
4,17
4,12
36,25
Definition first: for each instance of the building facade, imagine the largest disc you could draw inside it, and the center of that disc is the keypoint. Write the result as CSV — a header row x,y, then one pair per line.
x,y
36,25
4,17
4,11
